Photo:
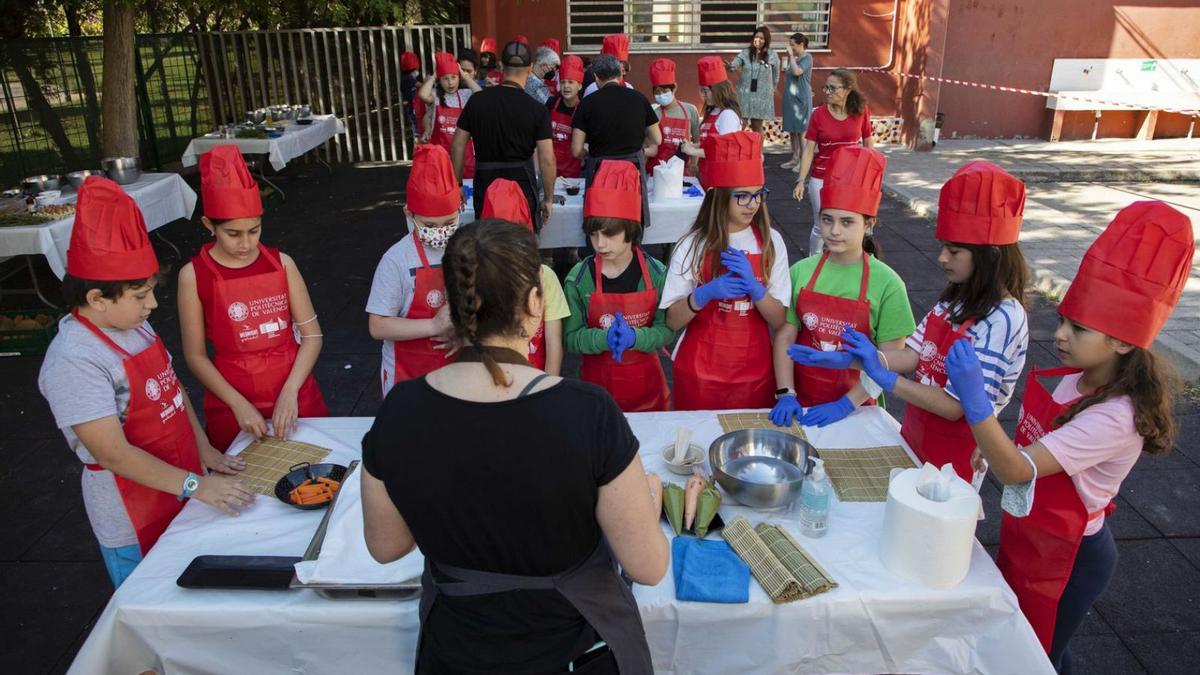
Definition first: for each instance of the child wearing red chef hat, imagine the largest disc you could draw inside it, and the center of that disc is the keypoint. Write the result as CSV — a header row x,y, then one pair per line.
x,y
445,105
678,120
410,72
506,201
114,393
562,114
1074,447
728,285
847,285
245,298
615,45
615,319
407,305
722,113
487,54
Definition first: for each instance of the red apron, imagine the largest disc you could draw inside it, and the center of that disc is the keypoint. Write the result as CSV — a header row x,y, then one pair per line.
x,y
637,383
724,359
1037,552
675,131
823,318
157,422
445,123
569,166
249,324
537,347
707,126
932,437
415,358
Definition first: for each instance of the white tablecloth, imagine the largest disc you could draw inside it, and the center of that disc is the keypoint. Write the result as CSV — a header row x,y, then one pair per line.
x,y
873,622
162,197
296,140
670,219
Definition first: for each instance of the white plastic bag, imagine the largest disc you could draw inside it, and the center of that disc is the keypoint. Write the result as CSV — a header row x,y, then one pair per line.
x,y
668,179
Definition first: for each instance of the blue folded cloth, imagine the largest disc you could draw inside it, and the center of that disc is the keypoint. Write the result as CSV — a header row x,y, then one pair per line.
x,y
708,571
693,191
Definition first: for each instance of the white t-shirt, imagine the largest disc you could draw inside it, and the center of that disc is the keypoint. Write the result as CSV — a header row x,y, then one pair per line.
x,y
728,122
593,87
683,275
392,292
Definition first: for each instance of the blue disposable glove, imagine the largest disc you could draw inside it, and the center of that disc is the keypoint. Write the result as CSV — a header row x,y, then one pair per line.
x,y
785,411
625,336
864,350
737,263
827,413
965,373
807,356
724,287
613,335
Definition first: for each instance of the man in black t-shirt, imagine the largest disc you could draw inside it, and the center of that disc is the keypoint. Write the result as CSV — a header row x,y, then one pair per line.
x,y
506,126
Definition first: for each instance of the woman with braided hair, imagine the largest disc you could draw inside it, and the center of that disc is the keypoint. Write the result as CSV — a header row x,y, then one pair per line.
x,y
520,489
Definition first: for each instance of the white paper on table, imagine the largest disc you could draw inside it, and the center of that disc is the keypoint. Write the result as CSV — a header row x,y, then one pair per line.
x,y
344,558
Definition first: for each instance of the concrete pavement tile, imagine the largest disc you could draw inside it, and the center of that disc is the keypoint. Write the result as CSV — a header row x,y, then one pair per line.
x,y
1169,499
36,495
24,414
13,452
46,605
68,540
1187,435
1102,655
1190,548
1169,652
1127,523
1155,589
919,272
342,386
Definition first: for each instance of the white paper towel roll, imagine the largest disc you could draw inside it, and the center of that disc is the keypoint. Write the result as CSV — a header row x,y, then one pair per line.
x,y
668,179
925,541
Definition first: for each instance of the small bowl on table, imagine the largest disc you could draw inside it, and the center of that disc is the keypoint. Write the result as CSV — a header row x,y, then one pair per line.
x,y
303,473
693,458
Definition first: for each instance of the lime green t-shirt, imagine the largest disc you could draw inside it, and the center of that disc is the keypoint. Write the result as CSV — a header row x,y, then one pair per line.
x,y
891,314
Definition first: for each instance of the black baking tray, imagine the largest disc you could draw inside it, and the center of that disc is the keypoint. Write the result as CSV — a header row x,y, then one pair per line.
x,y
259,572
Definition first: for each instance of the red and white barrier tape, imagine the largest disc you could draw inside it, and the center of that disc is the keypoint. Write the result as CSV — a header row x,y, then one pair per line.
x,y
1045,94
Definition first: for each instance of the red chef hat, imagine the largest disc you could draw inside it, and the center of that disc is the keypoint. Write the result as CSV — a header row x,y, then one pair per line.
x,y
732,160
506,200
553,44
615,192
521,38
710,70
662,72
854,180
227,189
495,75
432,191
409,61
109,240
981,204
571,68
487,44
616,44
446,64
1132,275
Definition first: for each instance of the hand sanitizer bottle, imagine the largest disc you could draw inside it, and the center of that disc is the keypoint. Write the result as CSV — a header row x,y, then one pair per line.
x,y
814,501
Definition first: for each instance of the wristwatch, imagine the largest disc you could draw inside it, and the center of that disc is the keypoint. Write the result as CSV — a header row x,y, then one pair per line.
x,y
190,485
786,391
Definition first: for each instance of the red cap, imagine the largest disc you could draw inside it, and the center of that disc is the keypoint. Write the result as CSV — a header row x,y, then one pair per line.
x,y
409,61
615,192
732,160
710,70
553,44
981,204
227,189
487,44
432,191
1132,275
507,201
854,180
571,68
495,75
521,38
446,64
109,240
662,72
616,44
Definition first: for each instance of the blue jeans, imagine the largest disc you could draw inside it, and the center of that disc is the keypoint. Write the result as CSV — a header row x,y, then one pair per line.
x,y
1094,566
120,562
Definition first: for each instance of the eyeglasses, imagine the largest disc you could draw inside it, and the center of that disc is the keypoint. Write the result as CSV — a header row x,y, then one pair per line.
x,y
748,198
830,88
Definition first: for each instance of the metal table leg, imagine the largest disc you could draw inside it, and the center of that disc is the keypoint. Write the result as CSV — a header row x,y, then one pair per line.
x,y
178,254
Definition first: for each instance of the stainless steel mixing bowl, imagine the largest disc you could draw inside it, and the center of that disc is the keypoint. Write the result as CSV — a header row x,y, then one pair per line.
x,y
761,468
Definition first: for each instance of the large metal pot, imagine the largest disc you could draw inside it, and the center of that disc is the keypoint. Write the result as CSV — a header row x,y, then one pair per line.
x,y
35,184
76,178
256,116
761,468
122,170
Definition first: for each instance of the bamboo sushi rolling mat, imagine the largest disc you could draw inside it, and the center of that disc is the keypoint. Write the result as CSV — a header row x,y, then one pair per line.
x,y
270,459
735,421
862,474
784,569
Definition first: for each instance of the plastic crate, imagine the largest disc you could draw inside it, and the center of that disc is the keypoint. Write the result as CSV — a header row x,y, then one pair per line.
x,y
28,341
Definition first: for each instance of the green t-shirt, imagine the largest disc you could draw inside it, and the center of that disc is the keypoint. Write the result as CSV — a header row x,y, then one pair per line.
x,y
891,315
579,338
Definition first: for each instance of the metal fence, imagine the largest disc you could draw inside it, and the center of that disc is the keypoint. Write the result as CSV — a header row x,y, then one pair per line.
x,y
352,72
51,90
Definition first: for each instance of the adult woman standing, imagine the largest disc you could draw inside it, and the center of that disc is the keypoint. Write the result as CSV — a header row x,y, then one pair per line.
x,y
843,120
535,597
797,95
759,68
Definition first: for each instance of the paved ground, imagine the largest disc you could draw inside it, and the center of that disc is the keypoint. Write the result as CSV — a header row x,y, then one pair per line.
x,y
337,227
1073,191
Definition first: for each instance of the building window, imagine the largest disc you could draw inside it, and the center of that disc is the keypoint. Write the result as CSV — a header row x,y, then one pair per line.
x,y
681,25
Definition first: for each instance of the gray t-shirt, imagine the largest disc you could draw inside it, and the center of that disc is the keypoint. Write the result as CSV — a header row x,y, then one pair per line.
x,y
392,293
83,379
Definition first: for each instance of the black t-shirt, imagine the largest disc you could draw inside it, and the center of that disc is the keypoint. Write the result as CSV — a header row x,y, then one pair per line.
x,y
505,124
557,104
625,282
615,118
507,487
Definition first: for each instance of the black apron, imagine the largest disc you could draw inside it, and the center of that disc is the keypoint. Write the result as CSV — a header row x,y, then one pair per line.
x,y
486,172
638,159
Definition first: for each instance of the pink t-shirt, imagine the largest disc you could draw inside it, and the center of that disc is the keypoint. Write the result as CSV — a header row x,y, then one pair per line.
x,y
830,133
1097,449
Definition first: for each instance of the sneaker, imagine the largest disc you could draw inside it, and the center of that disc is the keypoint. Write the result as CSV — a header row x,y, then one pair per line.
x,y
791,163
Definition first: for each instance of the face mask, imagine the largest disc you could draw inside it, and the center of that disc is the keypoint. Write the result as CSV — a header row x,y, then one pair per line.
x,y
435,237
1017,500
666,98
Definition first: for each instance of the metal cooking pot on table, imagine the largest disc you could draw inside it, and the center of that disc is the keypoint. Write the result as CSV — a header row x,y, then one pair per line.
x,y
761,468
76,178
122,170
35,184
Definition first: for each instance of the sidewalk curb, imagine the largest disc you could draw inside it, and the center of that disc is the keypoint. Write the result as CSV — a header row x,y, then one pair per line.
x,y
1052,285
